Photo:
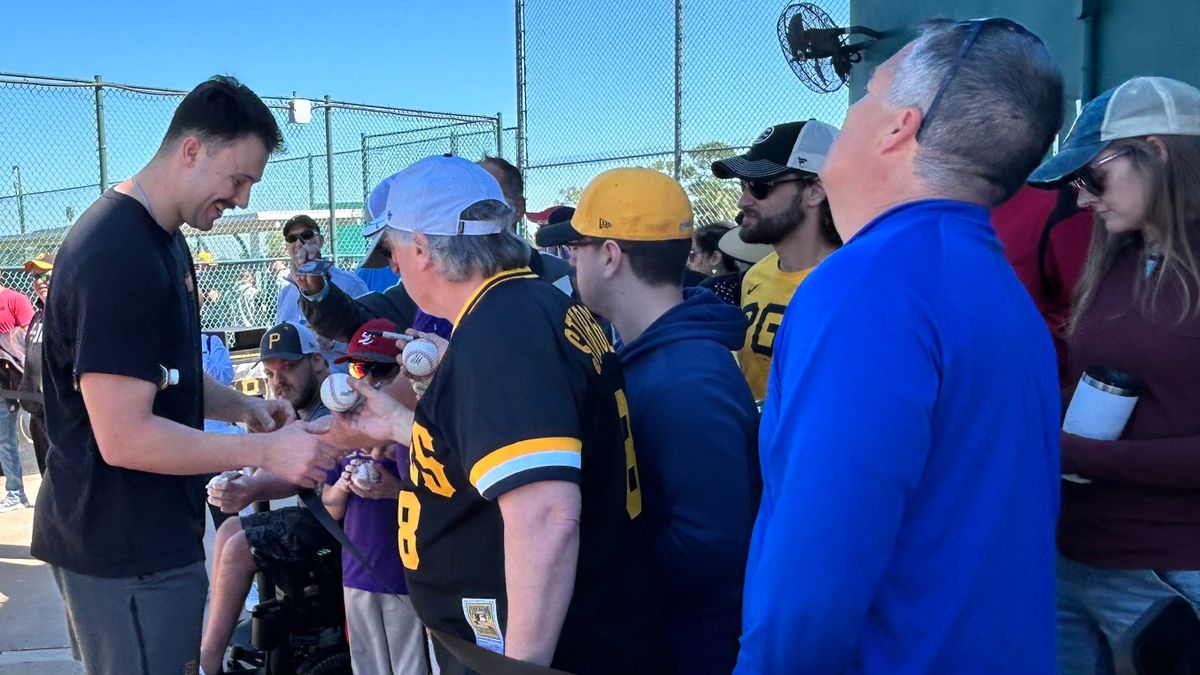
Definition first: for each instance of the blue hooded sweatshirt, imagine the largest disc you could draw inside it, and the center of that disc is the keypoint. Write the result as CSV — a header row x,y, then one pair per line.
x,y
695,428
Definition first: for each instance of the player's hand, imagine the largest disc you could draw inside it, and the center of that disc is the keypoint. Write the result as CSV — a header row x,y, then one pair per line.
x,y
299,457
234,494
261,414
388,486
378,421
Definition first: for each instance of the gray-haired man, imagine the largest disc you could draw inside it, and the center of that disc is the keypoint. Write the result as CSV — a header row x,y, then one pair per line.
x,y
909,442
520,450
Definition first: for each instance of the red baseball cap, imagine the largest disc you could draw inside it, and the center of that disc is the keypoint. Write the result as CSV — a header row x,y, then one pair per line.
x,y
368,345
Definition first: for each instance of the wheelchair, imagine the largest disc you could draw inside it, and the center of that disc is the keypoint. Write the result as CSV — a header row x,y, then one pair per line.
x,y
298,628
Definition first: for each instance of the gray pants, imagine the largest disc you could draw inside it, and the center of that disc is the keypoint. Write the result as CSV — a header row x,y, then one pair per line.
x,y
144,625
385,634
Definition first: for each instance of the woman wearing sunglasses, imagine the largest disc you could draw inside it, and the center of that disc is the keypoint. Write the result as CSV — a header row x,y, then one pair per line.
x,y
1129,528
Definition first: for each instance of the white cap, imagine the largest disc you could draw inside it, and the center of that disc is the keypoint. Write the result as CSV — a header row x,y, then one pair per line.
x,y
429,196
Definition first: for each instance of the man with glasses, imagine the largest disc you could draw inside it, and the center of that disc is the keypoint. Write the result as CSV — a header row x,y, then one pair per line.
x,y
691,413
909,442
38,268
303,239
783,204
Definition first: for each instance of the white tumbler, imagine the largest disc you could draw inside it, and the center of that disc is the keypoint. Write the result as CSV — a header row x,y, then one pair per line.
x,y
1101,407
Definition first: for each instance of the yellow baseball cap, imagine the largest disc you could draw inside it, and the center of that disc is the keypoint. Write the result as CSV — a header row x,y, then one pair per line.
x,y
42,262
627,204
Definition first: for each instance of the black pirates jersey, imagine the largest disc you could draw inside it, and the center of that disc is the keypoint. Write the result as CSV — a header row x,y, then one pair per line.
x,y
529,390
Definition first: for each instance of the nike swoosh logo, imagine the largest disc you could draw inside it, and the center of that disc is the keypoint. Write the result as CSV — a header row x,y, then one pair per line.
x,y
751,291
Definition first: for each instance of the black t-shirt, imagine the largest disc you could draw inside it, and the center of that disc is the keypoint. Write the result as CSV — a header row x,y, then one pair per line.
x,y
123,302
31,379
529,390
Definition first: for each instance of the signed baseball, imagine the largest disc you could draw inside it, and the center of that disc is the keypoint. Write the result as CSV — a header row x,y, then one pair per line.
x,y
337,395
223,478
419,358
365,475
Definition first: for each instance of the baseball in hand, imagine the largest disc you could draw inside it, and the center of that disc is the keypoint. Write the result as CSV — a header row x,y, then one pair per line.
x,y
419,358
337,394
365,475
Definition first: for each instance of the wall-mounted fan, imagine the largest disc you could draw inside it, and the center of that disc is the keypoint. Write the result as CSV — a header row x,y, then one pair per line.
x,y
820,52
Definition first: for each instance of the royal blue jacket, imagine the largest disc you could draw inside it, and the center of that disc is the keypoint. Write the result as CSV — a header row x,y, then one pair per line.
x,y
694,427
909,448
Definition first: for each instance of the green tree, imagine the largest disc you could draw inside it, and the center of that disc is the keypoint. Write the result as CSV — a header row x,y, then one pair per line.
x,y
712,199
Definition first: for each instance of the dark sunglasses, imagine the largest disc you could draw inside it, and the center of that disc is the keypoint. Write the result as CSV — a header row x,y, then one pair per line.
x,y
974,28
1087,180
299,236
361,369
760,189
41,276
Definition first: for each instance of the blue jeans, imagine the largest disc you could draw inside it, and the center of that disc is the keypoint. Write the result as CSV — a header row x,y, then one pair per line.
x,y
1097,605
10,457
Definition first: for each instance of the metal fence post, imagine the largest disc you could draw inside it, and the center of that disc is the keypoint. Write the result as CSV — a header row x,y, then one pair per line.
x,y
678,87
312,199
366,172
499,135
101,144
329,178
522,160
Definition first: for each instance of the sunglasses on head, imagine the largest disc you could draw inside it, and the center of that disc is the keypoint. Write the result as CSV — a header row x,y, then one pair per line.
x,y
974,28
1087,180
304,235
361,369
760,189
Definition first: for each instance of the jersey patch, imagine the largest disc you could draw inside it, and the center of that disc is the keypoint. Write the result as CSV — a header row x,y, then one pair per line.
x,y
482,617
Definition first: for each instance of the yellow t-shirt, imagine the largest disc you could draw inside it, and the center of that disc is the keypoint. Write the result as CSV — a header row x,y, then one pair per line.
x,y
766,292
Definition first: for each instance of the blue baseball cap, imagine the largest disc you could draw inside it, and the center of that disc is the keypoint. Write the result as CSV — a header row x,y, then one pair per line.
x,y
1143,106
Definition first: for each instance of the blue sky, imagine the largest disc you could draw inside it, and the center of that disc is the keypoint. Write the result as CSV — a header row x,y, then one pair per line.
x,y
599,84
449,56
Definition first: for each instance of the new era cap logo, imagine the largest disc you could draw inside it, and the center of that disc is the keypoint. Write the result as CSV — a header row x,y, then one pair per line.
x,y
604,224
764,136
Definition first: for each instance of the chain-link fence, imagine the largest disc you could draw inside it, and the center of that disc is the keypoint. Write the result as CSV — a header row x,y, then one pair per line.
x,y
667,84
66,141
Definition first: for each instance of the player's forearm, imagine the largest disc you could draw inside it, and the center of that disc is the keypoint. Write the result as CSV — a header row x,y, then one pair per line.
x,y
541,548
158,445
223,403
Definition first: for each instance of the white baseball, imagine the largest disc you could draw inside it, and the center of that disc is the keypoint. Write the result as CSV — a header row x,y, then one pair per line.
x,y
223,478
419,358
337,395
365,475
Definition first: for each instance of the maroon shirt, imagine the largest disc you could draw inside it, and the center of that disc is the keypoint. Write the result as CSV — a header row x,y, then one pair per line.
x,y
1143,509
15,310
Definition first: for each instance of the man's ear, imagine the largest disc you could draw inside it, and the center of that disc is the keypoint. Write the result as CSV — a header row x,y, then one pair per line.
x,y
815,194
904,125
189,151
421,243
611,256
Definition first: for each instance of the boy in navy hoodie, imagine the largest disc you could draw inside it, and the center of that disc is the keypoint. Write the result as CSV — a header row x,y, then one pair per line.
x,y
693,419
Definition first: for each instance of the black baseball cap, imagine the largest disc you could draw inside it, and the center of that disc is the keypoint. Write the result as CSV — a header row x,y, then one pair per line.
x,y
288,341
302,220
548,235
791,146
